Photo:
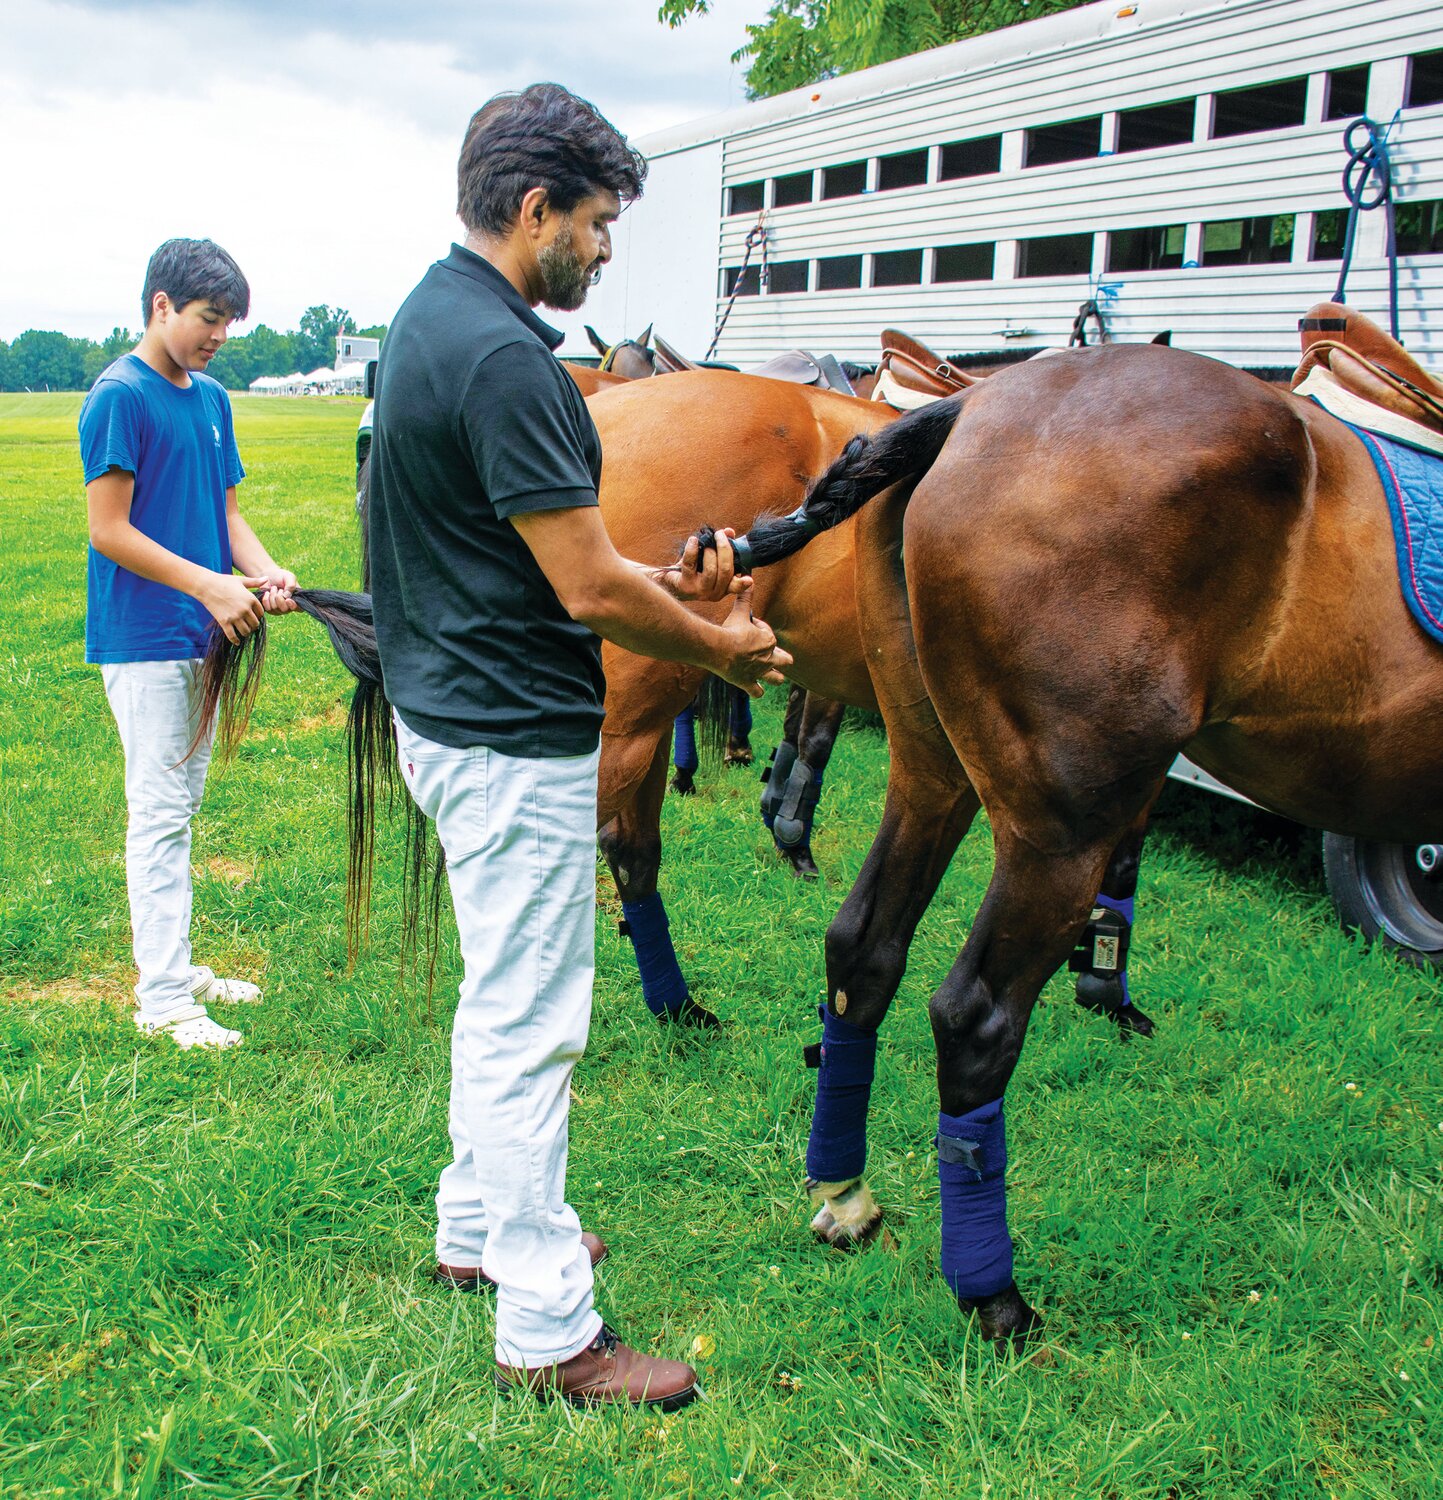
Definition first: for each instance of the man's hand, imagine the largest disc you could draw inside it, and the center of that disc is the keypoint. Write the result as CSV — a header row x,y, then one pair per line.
x,y
235,609
703,577
755,656
276,597
620,602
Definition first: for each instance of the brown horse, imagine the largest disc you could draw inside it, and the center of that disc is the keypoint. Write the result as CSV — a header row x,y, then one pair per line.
x,y
589,380
747,446
627,359
793,779
1071,573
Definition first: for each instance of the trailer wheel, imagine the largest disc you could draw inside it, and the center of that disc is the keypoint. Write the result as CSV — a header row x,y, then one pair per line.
x,y
1392,891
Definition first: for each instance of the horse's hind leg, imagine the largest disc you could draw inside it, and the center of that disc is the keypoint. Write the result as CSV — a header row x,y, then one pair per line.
x,y
631,845
794,784
685,758
1035,906
1100,960
930,805
784,757
739,730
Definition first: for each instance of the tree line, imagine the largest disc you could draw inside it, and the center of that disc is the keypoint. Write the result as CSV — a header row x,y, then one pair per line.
x,y
40,359
799,42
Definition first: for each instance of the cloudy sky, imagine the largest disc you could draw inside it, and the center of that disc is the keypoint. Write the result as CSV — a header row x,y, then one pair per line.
x,y
315,139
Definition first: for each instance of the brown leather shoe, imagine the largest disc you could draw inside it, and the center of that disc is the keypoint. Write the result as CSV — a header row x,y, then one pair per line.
x,y
605,1372
474,1279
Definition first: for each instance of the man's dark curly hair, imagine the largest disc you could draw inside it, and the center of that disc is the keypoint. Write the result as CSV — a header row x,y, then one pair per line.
x,y
542,137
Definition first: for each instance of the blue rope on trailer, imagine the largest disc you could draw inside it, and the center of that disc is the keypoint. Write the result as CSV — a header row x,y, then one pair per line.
x,y
1368,184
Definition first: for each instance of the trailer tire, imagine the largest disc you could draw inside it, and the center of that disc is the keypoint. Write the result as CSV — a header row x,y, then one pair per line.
x,y
1380,890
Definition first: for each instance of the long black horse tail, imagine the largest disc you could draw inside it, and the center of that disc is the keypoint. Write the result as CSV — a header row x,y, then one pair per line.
x,y
230,674
229,682
869,464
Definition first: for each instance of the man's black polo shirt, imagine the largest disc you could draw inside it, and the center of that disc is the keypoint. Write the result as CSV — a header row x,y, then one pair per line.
x,y
475,421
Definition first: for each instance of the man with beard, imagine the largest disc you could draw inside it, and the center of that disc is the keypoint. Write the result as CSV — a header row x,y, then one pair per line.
x,y
492,577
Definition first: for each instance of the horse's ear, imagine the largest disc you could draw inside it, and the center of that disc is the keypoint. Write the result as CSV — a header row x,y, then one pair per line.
x,y
1165,338
597,342
645,339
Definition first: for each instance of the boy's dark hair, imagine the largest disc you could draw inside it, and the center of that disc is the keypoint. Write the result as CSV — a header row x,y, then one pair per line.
x,y
188,270
542,137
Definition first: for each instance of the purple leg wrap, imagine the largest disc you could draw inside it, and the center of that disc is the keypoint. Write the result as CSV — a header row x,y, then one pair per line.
x,y
837,1147
739,725
1124,909
684,741
662,985
972,1168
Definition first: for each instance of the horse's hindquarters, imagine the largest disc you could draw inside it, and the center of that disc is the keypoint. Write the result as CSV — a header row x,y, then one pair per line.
x,y
1127,553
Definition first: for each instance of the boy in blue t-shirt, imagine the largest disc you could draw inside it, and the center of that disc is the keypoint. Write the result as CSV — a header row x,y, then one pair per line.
x,y
161,469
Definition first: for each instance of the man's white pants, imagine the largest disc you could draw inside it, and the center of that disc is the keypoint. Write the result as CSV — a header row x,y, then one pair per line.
x,y
156,706
520,842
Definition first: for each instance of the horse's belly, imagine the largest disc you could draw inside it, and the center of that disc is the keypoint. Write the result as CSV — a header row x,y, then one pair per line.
x,y
1334,777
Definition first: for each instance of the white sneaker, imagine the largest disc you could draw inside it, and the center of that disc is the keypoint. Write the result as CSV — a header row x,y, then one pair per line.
x,y
223,991
189,1028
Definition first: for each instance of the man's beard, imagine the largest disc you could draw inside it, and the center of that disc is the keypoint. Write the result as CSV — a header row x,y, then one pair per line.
x,y
565,281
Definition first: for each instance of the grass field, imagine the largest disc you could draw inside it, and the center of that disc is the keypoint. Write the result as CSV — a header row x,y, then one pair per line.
x,y
212,1279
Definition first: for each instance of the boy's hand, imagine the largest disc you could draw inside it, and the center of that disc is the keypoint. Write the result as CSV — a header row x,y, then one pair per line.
x,y
235,609
276,598
754,658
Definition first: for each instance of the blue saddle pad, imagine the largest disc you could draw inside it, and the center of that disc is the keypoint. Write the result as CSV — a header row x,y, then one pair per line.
x,y
1413,482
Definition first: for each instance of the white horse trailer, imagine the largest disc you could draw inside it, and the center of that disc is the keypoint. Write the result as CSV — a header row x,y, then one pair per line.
x,y
1179,162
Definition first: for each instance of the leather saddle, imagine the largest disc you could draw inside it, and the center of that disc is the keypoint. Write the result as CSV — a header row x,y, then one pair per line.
x,y
796,366
1368,363
913,365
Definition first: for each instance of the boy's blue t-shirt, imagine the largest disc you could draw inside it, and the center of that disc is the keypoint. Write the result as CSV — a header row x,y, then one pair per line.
x,y
180,446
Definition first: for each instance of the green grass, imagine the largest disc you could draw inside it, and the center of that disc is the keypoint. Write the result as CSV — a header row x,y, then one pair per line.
x,y
212,1264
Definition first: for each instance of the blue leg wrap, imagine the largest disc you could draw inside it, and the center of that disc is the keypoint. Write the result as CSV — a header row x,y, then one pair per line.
x,y
739,725
683,754
784,757
792,823
972,1168
837,1147
662,985
1124,909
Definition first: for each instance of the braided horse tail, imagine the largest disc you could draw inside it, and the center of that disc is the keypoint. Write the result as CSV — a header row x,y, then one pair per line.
x,y
869,464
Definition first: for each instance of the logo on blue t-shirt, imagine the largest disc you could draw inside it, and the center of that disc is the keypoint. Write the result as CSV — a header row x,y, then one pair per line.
x,y
135,420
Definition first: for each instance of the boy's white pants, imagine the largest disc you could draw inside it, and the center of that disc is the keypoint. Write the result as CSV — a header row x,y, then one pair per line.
x,y
156,705
520,842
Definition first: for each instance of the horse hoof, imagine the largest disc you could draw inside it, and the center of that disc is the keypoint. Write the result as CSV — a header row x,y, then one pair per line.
x,y
684,784
737,755
689,1013
1132,1022
848,1217
1007,1321
801,861
1107,1002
